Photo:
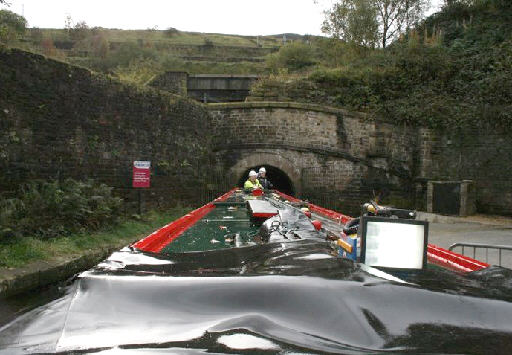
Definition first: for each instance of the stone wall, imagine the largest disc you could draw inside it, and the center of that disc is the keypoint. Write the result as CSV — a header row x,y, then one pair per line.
x,y
174,82
334,157
339,158
60,121
57,120
471,154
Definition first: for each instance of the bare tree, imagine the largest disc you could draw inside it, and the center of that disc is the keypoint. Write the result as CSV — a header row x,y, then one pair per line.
x,y
396,16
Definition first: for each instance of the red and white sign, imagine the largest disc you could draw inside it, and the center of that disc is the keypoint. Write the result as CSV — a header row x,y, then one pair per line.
x,y
141,173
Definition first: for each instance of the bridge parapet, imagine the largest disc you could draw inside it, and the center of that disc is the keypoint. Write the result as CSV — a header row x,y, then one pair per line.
x,y
206,87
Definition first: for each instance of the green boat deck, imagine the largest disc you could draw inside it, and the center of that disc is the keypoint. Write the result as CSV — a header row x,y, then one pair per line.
x,y
226,226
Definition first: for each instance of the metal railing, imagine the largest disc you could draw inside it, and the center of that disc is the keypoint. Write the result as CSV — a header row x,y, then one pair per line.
x,y
475,246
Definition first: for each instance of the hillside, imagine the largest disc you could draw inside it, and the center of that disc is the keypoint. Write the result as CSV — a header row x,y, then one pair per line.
x,y
138,55
454,70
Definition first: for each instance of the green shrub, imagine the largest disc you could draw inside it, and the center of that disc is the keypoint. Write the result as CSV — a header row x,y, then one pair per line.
x,y
127,53
293,56
208,43
171,32
12,26
80,31
49,209
138,72
414,82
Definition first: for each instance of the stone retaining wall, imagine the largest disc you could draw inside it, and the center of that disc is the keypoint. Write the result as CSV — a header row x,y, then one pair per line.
x,y
470,154
342,157
58,121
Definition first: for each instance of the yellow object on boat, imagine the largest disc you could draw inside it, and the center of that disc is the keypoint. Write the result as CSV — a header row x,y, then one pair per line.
x,y
343,244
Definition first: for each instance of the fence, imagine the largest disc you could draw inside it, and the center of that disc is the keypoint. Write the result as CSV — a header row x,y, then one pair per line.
x,y
475,246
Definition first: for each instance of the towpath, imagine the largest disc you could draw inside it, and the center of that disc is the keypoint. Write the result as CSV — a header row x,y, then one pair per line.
x,y
445,231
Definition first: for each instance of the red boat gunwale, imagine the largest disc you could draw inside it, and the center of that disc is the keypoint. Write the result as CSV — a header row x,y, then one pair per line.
x,y
453,261
338,217
162,237
159,239
435,255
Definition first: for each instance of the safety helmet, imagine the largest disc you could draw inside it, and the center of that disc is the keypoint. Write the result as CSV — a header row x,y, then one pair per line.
x,y
368,207
252,173
262,170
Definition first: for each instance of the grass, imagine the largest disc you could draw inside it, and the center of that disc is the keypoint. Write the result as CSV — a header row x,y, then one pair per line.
x,y
184,38
180,38
193,52
26,250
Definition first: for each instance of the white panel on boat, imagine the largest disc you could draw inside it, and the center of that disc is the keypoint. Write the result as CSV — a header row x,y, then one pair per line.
x,y
262,209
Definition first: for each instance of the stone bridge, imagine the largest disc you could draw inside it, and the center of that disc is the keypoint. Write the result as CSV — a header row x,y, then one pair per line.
x,y
332,156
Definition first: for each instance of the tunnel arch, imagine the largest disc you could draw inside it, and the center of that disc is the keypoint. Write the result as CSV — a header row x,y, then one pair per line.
x,y
288,176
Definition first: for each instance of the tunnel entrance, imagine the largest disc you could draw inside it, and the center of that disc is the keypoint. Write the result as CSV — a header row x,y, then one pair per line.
x,y
277,177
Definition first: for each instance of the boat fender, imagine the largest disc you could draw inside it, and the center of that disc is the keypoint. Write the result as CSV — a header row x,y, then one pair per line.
x,y
317,224
306,211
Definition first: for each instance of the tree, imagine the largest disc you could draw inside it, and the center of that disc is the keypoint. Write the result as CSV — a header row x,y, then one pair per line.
x,y
396,16
80,31
171,32
368,22
353,21
12,26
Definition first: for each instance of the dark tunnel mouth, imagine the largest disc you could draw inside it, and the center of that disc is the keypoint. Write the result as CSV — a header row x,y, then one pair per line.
x,y
277,177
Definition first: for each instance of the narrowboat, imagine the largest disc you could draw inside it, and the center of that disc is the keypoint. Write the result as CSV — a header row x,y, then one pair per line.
x,y
392,238
267,273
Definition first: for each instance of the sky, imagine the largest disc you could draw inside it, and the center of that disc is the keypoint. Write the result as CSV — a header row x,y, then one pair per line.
x,y
244,17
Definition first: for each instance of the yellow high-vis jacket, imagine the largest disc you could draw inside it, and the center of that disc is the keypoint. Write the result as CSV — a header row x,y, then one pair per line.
x,y
249,185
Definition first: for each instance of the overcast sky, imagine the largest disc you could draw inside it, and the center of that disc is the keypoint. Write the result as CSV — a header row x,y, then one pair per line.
x,y
245,17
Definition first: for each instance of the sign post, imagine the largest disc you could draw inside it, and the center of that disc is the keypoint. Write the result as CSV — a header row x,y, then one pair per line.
x,y
141,178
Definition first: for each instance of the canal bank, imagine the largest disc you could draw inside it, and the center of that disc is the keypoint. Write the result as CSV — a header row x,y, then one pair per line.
x,y
65,257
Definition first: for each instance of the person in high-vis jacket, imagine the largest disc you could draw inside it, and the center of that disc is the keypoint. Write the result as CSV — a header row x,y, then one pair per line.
x,y
252,183
264,181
